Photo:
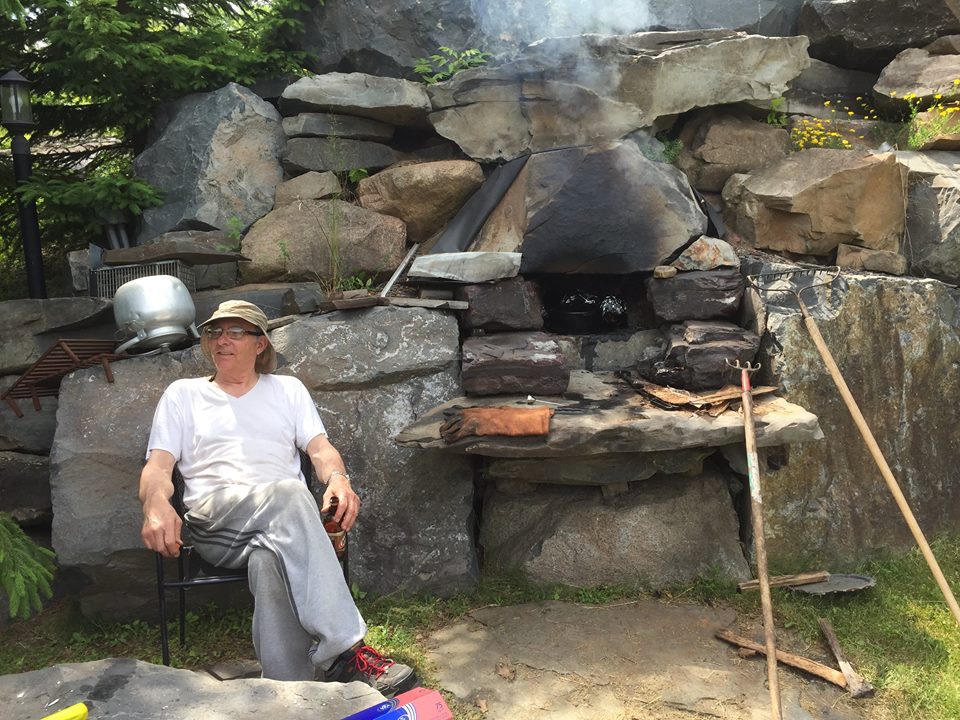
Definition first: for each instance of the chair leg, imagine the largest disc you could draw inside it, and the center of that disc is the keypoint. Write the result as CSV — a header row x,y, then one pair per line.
x,y
164,639
183,603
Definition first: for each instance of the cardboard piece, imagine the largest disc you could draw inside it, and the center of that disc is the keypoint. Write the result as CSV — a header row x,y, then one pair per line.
x,y
416,704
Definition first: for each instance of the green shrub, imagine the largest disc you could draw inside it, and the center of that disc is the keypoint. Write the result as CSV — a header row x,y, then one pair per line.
x,y
81,202
26,569
446,62
777,116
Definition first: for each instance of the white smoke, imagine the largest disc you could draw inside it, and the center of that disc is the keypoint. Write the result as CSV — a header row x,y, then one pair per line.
x,y
527,20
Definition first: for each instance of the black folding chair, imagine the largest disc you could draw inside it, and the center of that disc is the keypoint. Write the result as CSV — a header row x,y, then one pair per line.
x,y
193,571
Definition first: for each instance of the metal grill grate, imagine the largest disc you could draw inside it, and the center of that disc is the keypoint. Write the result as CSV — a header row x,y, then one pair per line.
x,y
106,281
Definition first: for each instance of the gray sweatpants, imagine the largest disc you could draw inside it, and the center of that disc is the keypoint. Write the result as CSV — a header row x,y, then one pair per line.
x,y
304,615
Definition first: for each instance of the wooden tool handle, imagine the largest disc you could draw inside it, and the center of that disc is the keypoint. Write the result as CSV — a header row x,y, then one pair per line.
x,y
797,661
881,462
760,546
856,683
787,580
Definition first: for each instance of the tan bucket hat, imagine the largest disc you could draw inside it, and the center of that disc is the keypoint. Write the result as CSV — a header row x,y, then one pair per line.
x,y
267,360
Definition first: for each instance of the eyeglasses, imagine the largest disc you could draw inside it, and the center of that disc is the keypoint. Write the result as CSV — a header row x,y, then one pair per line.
x,y
233,333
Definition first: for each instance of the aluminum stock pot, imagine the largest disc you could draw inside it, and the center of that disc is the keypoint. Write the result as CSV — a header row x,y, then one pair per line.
x,y
157,311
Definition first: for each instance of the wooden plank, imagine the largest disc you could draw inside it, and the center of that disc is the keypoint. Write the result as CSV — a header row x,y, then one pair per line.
x,y
857,685
432,304
797,661
281,321
787,580
359,302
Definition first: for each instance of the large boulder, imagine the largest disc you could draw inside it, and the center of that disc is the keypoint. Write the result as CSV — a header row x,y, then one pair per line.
x,y
25,487
309,186
724,145
391,37
388,100
31,433
325,240
215,159
98,450
868,34
211,253
897,344
123,687
933,215
922,74
334,125
29,327
370,373
816,199
821,82
424,195
331,154
665,530
591,89
600,209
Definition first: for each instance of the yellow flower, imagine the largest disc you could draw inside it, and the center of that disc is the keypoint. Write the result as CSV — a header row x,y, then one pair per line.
x,y
826,103
956,82
893,93
938,96
850,113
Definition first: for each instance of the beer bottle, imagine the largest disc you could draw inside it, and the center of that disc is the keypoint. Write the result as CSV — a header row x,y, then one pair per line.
x,y
336,533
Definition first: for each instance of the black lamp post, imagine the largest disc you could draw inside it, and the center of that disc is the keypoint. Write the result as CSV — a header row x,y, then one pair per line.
x,y
17,117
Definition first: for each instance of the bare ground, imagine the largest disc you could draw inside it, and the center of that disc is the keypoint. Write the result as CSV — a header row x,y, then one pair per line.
x,y
642,659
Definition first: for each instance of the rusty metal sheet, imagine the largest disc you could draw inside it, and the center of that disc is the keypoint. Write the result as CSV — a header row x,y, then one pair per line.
x,y
42,379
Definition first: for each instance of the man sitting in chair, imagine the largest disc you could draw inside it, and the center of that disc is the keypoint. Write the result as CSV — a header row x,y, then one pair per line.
x,y
235,438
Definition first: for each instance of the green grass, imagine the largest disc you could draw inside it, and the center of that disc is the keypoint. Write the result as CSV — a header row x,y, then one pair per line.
x,y
900,634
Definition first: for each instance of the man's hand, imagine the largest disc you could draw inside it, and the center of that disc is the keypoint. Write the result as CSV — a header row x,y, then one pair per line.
x,y
329,467
161,528
161,524
348,506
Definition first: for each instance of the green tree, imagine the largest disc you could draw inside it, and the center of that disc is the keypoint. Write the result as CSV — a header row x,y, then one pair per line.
x,y
100,68
26,569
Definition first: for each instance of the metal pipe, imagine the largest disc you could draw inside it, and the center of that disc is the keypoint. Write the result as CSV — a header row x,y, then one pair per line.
x,y
29,224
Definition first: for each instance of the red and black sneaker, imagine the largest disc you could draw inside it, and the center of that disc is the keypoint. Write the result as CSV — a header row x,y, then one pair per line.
x,y
363,663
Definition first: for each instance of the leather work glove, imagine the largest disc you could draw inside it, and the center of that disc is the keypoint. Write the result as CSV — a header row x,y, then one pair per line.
x,y
510,421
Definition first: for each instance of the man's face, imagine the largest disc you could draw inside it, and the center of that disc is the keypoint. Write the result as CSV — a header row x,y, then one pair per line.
x,y
237,356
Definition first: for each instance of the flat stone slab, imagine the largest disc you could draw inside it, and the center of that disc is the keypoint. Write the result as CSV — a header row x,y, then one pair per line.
x,y
135,690
642,659
601,414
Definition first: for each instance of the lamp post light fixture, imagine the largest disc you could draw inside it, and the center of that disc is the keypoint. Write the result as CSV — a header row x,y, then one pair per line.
x,y
17,117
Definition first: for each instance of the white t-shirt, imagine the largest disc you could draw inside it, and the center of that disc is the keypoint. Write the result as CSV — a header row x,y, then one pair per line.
x,y
220,440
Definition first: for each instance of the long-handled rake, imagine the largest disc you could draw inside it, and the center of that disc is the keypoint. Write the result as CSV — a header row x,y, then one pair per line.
x,y
756,509
796,282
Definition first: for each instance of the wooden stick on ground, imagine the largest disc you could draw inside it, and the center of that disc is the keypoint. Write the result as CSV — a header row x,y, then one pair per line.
x,y
788,580
857,685
797,661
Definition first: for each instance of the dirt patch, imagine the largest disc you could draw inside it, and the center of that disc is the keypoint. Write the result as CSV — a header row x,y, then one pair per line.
x,y
643,659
